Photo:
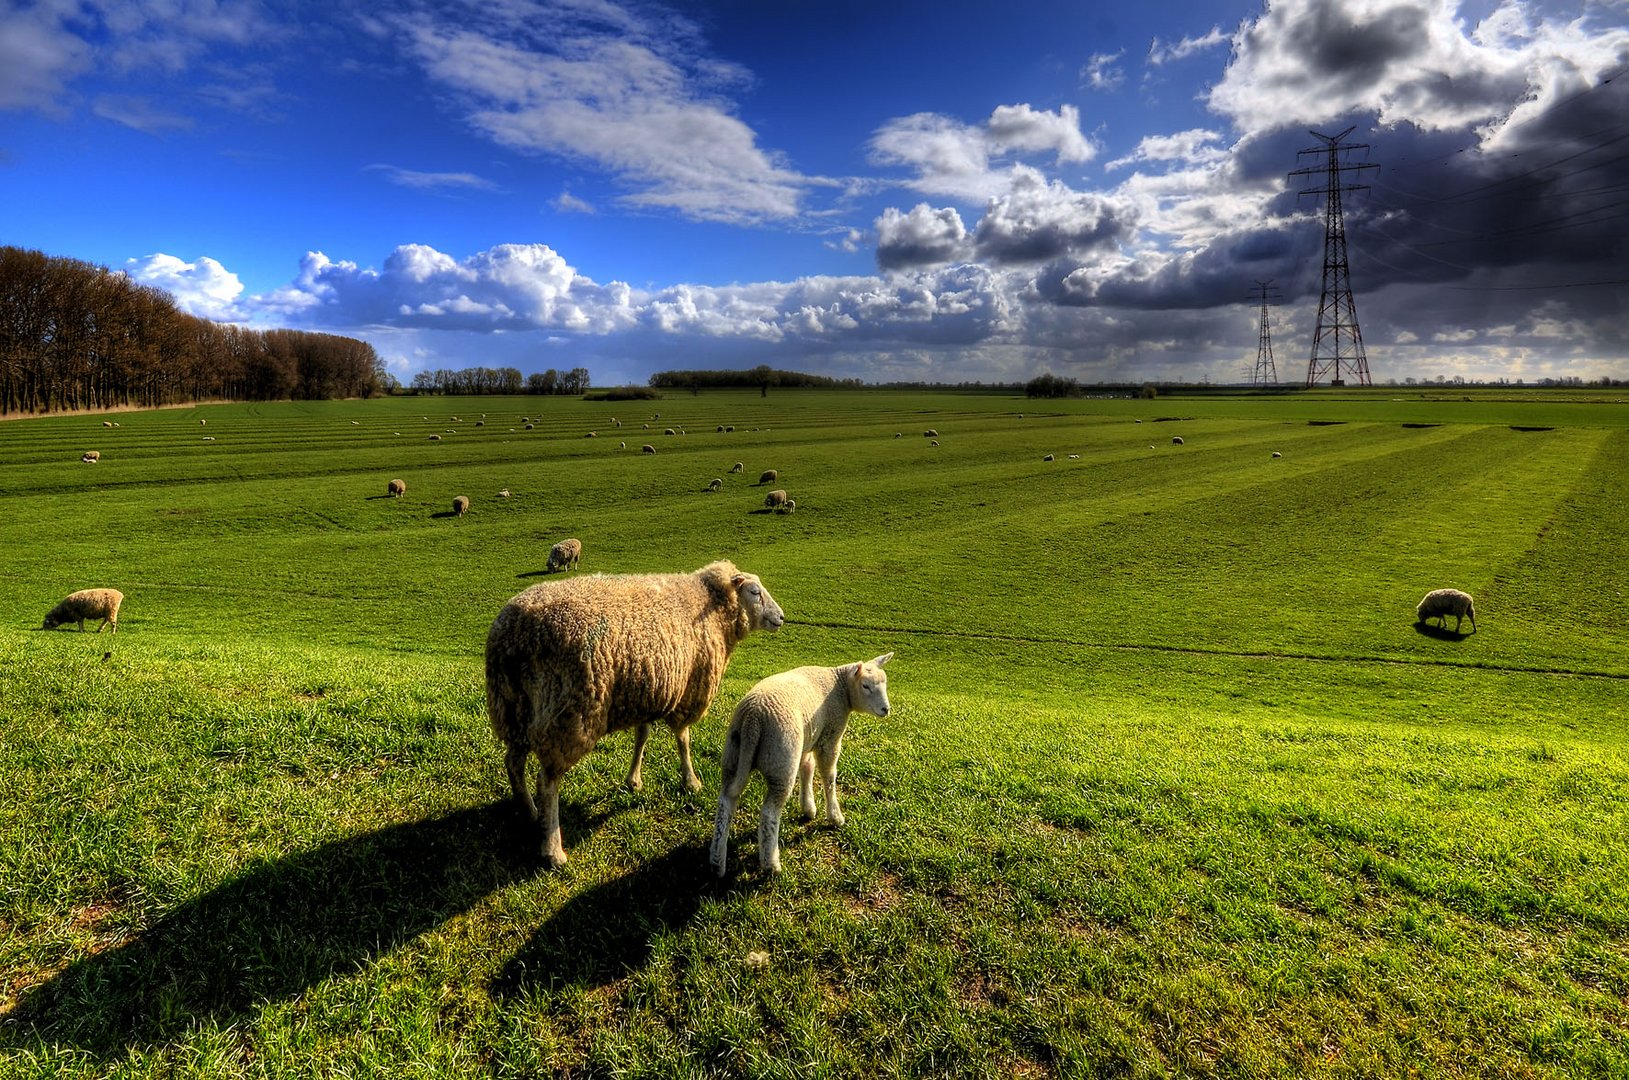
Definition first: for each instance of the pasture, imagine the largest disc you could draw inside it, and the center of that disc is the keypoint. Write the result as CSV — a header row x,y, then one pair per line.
x,y
1173,785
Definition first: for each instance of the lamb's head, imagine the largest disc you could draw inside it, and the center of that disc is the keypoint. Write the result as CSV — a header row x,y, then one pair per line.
x,y
868,686
758,607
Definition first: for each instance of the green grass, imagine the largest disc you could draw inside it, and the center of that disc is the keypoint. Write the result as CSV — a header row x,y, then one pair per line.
x,y
1173,786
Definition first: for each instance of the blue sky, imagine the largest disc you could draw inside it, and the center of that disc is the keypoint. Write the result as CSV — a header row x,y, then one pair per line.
x,y
938,191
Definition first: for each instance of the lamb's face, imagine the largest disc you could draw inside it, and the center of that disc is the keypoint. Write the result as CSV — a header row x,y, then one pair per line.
x,y
868,687
762,611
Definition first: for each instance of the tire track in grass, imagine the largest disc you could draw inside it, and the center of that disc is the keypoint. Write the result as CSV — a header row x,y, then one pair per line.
x,y
1195,650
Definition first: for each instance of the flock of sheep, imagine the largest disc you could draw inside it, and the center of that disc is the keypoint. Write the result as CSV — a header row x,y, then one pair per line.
x,y
571,660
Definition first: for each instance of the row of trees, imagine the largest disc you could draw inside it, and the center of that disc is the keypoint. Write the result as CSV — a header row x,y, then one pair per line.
x,y
1051,386
74,335
760,378
504,380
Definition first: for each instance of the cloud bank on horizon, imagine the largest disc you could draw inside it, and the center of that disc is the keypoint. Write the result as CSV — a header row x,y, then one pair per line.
x,y
1000,243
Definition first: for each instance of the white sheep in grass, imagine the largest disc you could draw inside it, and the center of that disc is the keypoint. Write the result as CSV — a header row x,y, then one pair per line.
x,y
775,499
738,467
564,555
91,457
1441,603
769,476
786,726
568,661
647,449
396,488
790,506
87,604
715,483
460,505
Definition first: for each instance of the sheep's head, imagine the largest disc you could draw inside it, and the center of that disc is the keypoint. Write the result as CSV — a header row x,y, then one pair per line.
x,y
760,609
868,686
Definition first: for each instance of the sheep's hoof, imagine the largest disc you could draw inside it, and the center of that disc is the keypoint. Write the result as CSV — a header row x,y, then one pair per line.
x,y
635,783
693,784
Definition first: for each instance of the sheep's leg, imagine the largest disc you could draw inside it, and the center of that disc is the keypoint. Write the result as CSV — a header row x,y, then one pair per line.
x,y
806,786
777,789
729,796
515,761
548,793
692,782
826,756
641,736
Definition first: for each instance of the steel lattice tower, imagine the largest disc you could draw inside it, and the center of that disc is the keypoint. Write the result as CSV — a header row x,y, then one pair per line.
x,y
1266,373
1336,342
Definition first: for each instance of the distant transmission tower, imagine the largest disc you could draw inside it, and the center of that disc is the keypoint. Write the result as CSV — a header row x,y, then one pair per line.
x,y
1266,373
1336,341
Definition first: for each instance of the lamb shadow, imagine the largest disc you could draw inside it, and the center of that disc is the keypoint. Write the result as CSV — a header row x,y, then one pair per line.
x,y
1440,633
536,573
276,930
608,930
443,514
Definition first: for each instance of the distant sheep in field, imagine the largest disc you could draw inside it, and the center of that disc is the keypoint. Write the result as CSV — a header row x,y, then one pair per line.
x,y
91,457
435,438
622,446
729,427
719,429
790,506
1277,454
571,660
899,434
738,467
647,449
1441,603
935,442
209,438
1176,440
107,423
201,423
775,498
354,423
786,726
769,476
482,423
931,433
460,505
1074,457
87,604
615,421
591,435
1048,457
564,555
504,494
530,426
669,431
715,483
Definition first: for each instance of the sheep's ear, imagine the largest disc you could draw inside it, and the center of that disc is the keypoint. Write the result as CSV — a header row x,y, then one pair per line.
x,y
738,580
883,659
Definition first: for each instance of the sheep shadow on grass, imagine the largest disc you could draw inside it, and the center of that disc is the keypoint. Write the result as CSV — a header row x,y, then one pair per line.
x,y
1441,633
277,929
610,929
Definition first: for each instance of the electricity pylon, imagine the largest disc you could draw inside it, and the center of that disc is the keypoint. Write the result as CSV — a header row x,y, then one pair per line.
x,y
1337,341
1266,373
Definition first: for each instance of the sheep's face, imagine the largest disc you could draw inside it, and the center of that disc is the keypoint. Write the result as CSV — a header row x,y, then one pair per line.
x,y
761,610
52,622
868,686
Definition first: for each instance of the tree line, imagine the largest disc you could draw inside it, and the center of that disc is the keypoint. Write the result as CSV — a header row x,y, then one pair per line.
x,y
503,380
761,377
74,335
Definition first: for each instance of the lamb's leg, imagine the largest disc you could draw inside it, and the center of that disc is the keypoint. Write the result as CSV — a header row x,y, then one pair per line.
x,y
806,786
692,782
729,796
641,736
777,789
515,761
548,794
827,757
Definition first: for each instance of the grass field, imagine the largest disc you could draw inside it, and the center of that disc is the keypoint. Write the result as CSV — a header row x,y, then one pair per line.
x,y
1173,785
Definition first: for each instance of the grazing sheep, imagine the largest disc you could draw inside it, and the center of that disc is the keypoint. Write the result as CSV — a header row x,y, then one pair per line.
x,y
935,442
719,429
1074,457
622,446
87,604
729,427
482,423
504,494
738,467
769,476
715,483
899,434
1049,457
354,423
564,555
107,423
785,726
201,423
591,435
1277,454
790,506
396,488
669,431
615,421
209,438
931,433
460,505
1176,440
568,661
530,426
91,457
1441,603
435,438
647,449
775,498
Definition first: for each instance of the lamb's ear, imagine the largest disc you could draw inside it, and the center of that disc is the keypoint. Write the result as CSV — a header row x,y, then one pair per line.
x,y
883,659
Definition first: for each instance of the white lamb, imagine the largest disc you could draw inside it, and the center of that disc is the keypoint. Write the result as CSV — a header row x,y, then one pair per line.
x,y
1441,603
785,726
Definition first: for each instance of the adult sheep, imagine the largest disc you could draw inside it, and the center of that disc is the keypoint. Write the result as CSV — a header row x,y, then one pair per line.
x,y
569,661
715,483
1176,440
776,498
460,505
785,726
738,467
91,457
769,476
647,449
396,488
86,604
564,555
1441,603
